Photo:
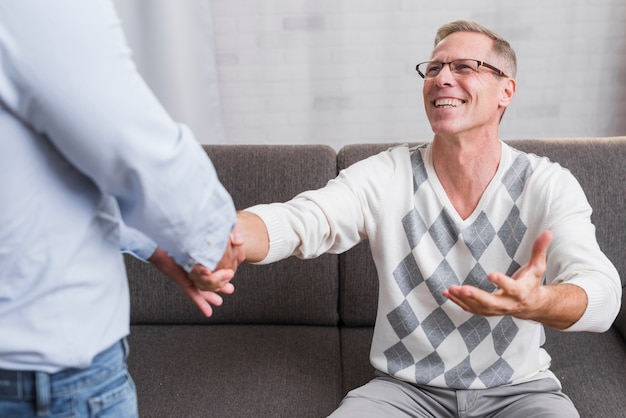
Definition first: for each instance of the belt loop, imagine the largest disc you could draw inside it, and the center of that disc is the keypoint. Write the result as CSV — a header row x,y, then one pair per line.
x,y
43,392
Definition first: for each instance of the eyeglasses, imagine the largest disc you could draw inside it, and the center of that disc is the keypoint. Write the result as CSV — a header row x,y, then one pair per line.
x,y
460,68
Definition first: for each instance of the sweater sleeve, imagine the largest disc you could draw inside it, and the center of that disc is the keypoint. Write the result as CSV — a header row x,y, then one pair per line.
x,y
575,257
334,218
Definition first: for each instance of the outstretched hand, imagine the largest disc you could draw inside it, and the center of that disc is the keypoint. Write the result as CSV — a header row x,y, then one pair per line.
x,y
520,295
202,285
204,300
214,281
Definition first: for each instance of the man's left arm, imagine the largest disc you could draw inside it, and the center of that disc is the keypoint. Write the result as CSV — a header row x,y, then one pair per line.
x,y
582,290
523,295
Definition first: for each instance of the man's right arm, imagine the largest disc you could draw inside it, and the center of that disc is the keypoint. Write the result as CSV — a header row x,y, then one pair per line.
x,y
331,219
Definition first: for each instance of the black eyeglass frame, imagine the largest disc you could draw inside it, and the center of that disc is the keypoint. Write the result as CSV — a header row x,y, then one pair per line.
x,y
480,63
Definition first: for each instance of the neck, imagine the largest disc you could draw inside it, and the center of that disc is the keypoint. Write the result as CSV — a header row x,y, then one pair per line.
x,y
465,169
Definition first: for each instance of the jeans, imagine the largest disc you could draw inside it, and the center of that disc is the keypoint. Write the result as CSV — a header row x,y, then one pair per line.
x,y
104,389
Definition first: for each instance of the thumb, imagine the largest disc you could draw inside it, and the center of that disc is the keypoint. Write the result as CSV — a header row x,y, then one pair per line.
x,y
236,238
540,249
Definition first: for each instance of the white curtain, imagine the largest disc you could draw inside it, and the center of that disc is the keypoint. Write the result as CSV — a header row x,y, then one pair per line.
x,y
174,49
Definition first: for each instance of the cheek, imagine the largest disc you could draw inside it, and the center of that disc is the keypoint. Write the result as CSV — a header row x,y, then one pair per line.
x,y
425,91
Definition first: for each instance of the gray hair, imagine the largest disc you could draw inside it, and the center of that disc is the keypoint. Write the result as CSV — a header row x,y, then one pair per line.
x,y
501,46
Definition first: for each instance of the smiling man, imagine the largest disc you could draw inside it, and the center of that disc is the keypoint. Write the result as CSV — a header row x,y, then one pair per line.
x,y
477,245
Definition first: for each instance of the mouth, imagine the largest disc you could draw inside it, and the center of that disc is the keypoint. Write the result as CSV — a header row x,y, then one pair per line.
x,y
441,103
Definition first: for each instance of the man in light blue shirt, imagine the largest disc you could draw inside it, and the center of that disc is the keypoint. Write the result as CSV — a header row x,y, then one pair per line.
x,y
83,145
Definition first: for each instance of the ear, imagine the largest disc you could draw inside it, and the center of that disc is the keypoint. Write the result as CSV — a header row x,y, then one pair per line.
x,y
508,91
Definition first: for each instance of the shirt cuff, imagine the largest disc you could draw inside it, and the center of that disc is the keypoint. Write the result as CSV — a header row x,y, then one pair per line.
x,y
136,243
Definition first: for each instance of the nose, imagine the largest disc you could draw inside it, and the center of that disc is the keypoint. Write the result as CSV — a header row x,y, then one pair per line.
x,y
445,76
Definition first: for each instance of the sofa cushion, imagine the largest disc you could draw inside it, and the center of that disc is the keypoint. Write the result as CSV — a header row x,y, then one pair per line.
x,y
591,368
356,343
235,370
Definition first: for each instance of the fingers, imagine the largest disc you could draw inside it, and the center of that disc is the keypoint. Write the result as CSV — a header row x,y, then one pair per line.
x,y
206,280
205,300
475,300
459,296
539,252
234,254
212,298
227,289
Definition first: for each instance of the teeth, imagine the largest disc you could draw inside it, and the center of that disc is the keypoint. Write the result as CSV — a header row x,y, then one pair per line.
x,y
448,103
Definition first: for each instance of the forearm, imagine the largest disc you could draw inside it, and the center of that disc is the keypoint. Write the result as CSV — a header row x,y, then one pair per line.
x,y
560,306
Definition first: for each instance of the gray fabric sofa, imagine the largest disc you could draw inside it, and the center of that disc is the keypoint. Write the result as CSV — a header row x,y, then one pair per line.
x,y
295,335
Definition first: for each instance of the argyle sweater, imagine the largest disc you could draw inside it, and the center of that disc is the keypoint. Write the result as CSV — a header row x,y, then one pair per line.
x,y
421,246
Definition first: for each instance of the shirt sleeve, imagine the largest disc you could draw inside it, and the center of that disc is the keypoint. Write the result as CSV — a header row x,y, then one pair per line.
x,y
69,75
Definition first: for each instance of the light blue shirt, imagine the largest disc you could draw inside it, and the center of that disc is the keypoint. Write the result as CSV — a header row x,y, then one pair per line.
x,y
82,139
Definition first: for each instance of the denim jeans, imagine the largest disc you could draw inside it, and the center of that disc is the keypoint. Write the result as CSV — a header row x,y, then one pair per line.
x,y
104,389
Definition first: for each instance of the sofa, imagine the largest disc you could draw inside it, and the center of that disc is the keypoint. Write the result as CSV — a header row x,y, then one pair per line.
x,y
295,336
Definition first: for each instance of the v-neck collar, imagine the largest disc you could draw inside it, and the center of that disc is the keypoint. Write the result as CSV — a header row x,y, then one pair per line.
x,y
484,199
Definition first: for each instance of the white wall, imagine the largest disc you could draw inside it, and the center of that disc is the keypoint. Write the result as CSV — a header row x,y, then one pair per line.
x,y
342,71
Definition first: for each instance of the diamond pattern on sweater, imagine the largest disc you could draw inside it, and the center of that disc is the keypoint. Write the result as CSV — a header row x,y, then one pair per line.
x,y
461,376
411,275
414,227
398,358
515,177
497,374
437,326
512,232
479,235
444,232
503,334
403,320
474,331
513,267
408,275
477,277
419,170
429,368
441,279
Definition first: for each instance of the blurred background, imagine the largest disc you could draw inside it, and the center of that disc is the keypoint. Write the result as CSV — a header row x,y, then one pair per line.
x,y
338,72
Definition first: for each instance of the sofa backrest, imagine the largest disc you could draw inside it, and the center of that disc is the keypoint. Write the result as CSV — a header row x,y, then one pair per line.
x,y
599,164
288,292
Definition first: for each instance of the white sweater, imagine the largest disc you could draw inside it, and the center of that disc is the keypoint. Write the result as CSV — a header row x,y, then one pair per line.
x,y
421,246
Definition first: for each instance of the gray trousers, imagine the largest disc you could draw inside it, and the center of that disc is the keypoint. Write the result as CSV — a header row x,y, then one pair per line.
x,y
385,397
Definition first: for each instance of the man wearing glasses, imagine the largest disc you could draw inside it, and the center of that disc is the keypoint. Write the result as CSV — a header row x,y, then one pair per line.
x,y
477,247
